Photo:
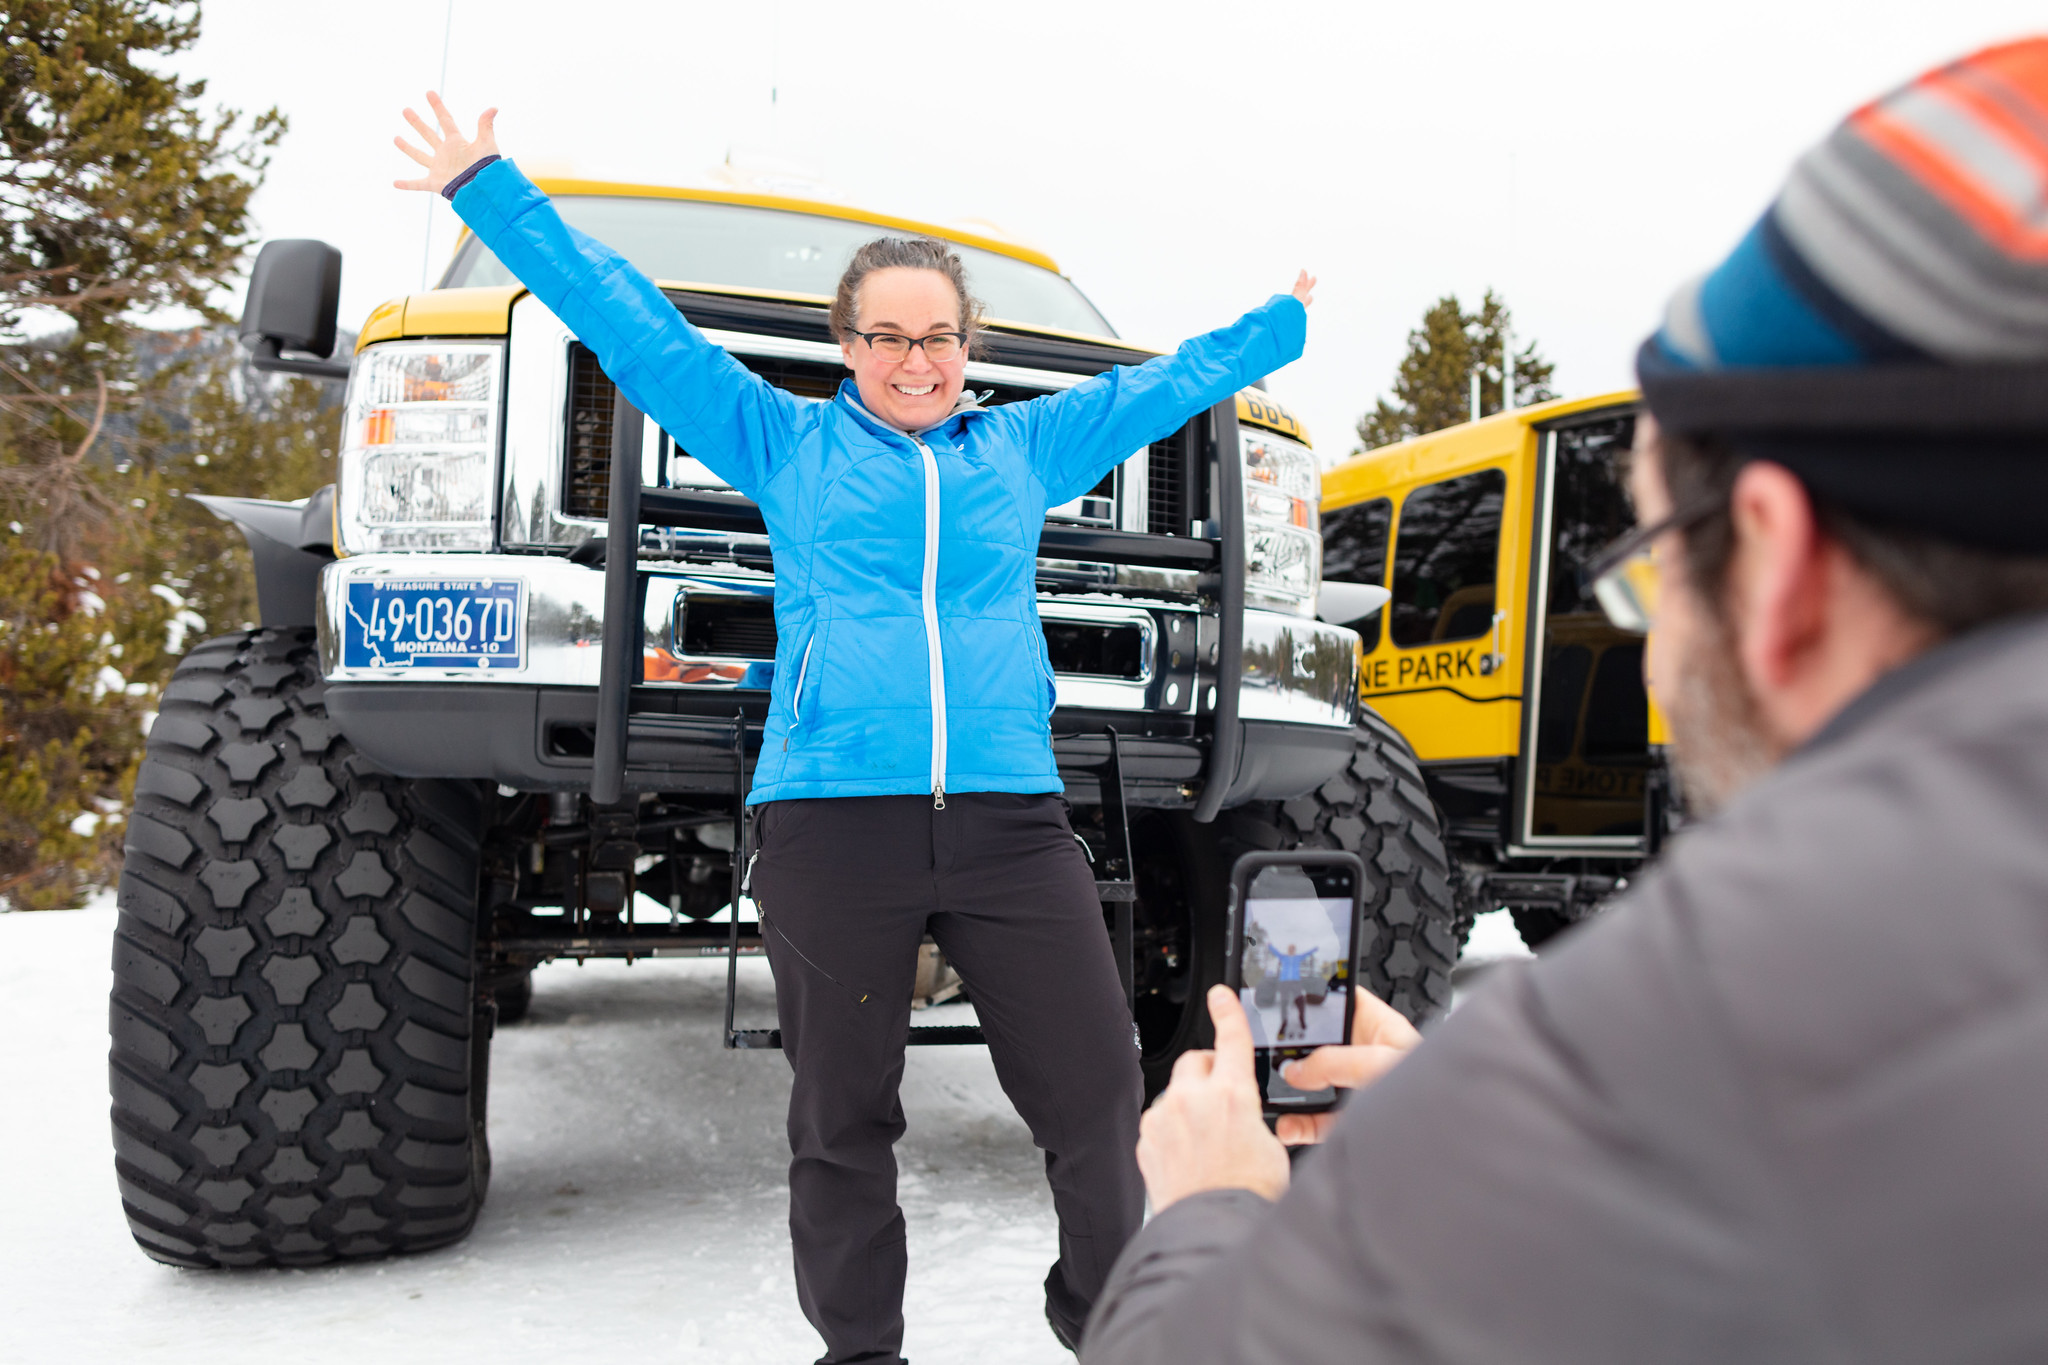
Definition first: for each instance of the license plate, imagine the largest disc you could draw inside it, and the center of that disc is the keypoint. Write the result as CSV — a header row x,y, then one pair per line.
x,y
433,623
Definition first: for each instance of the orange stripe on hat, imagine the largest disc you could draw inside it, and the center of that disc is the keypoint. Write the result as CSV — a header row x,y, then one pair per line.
x,y
2006,108
1994,101
2019,70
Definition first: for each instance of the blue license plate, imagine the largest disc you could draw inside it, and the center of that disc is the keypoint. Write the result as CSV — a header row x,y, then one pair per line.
x,y
433,623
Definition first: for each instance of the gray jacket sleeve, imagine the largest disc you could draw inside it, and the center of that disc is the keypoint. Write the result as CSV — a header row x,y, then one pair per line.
x,y
1492,1199
1783,1101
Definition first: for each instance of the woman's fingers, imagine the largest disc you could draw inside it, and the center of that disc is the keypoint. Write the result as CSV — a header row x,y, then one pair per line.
x,y
447,151
420,126
448,123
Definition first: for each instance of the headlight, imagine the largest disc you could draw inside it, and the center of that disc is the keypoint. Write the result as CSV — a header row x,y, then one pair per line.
x,y
1282,526
420,446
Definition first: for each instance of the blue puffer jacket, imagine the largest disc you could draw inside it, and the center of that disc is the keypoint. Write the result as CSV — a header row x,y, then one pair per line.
x,y
911,658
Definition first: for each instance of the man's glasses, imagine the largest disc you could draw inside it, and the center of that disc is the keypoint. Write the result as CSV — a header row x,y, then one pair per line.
x,y
939,347
1626,576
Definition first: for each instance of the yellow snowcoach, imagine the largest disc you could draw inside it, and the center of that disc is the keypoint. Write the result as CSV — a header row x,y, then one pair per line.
x,y
1525,706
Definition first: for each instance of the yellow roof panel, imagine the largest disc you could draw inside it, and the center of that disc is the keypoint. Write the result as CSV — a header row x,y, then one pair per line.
x,y
1016,250
1444,452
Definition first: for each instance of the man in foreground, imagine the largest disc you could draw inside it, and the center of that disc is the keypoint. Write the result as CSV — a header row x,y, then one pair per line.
x,y
1786,1100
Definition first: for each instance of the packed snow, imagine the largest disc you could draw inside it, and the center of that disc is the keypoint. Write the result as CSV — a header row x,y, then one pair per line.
x,y
636,1210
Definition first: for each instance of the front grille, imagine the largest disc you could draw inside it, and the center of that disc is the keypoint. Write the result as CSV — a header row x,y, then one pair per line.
x,y
732,628
1174,490
586,486
587,490
1167,467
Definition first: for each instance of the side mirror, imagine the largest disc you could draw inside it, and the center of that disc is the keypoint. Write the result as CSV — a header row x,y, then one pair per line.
x,y
293,294
1343,603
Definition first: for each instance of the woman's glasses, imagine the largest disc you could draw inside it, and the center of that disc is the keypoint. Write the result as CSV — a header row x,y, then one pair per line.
x,y
939,347
1626,577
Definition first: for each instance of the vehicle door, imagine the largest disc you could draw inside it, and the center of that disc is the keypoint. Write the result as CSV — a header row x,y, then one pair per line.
x,y
1586,742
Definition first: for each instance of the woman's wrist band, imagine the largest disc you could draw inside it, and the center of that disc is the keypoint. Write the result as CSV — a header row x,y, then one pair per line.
x,y
448,190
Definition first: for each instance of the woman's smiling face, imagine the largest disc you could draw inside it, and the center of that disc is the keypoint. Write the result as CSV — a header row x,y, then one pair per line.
x,y
915,392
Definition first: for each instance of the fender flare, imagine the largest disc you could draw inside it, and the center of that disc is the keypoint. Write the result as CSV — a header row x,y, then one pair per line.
x,y
290,543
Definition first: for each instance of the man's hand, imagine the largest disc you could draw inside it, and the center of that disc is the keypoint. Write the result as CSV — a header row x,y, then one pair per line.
x,y
1380,1037
1206,1132
1304,286
449,154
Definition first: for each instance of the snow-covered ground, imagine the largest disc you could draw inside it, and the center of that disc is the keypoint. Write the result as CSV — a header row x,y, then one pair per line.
x,y
636,1211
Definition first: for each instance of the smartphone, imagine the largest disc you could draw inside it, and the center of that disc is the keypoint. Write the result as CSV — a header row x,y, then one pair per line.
x,y
1294,934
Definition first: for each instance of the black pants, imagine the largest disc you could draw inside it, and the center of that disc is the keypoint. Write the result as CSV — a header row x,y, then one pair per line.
x,y
848,887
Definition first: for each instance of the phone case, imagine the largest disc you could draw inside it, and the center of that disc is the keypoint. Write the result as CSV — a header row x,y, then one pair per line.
x,y
1265,993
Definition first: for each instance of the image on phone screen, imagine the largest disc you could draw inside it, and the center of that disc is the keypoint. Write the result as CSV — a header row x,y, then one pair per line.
x,y
1297,957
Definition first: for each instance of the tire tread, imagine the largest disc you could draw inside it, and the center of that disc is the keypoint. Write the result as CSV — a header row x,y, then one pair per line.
x,y
289,1088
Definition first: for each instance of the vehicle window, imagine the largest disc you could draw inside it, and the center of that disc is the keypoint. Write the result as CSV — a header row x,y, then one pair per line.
x,y
1618,709
753,248
1444,559
1589,507
1355,551
1564,691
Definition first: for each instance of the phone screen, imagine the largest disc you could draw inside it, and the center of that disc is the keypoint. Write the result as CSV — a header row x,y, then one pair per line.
x,y
1295,967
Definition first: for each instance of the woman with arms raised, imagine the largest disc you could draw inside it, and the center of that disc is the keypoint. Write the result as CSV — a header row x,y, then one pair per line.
x,y
906,782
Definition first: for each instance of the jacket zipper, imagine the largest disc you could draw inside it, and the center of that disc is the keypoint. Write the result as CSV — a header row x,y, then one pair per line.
x,y
934,656
796,707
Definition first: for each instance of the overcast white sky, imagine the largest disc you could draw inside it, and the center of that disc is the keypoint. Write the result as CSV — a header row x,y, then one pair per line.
x,y
1179,160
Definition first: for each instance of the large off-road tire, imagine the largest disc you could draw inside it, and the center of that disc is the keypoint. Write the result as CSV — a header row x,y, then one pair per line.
x,y
1378,808
299,1058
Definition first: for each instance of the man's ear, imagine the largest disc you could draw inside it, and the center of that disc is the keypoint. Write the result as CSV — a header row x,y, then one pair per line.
x,y
1778,578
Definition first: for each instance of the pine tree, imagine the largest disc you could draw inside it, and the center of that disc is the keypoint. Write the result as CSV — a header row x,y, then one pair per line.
x,y
1433,384
119,195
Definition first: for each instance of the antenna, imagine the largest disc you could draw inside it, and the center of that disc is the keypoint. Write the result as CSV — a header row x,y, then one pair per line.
x,y
1507,330
1507,367
441,88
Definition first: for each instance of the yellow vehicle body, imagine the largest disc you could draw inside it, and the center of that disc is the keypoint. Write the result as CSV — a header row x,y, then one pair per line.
x,y
1458,666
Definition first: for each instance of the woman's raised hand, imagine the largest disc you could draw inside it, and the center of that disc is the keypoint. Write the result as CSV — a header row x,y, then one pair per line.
x,y
1304,283
449,154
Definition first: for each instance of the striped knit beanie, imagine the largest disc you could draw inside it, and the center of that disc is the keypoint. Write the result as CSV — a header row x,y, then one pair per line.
x,y
1883,331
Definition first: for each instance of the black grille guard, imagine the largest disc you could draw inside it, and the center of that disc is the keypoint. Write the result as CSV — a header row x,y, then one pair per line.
x,y
632,505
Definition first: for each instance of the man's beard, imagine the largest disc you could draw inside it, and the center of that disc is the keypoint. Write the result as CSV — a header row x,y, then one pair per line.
x,y
1719,742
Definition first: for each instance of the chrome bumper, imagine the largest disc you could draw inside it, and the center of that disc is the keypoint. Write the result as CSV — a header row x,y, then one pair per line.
x,y
1296,671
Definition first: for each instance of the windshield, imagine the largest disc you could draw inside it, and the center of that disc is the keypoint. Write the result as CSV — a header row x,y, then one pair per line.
x,y
752,248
